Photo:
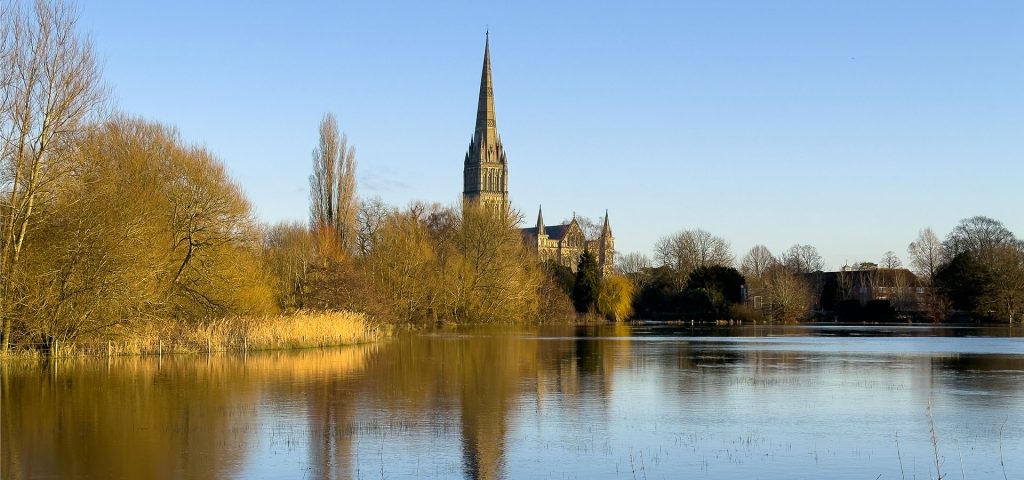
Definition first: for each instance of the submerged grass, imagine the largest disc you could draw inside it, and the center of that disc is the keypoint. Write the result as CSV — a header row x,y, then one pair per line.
x,y
302,329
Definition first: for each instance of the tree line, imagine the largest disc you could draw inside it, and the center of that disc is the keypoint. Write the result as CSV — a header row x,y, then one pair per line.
x,y
975,273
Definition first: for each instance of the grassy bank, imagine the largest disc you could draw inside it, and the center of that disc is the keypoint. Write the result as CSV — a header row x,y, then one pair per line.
x,y
303,329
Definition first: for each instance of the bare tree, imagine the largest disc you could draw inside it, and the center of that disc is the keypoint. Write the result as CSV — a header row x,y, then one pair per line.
x,y
51,82
1006,296
370,218
978,234
803,259
692,249
633,265
8,19
902,296
926,254
346,204
890,260
288,252
321,181
591,229
756,262
332,186
787,295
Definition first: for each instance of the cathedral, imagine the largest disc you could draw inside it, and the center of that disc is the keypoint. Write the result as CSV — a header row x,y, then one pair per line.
x,y
485,180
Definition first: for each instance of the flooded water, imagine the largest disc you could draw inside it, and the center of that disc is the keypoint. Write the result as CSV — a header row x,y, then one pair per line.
x,y
631,402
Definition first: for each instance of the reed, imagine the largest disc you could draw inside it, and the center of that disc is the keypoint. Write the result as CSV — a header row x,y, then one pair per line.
x,y
935,442
302,329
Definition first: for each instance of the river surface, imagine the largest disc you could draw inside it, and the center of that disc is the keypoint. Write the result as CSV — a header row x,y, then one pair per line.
x,y
631,402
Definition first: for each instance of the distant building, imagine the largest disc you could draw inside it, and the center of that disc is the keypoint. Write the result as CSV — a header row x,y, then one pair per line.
x,y
867,282
863,283
485,181
563,244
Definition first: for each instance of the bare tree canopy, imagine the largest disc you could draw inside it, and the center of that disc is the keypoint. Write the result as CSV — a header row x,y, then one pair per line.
x,y
49,83
803,259
369,220
890,260
691,249
591,229
757,261
632,263
926,254
288,253
787,294
332,186
977,234
1006,296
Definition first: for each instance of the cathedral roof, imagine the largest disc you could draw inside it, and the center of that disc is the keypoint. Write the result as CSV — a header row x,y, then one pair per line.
x,y
554,232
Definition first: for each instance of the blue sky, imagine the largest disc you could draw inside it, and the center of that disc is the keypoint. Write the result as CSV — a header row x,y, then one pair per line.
x,y
845,125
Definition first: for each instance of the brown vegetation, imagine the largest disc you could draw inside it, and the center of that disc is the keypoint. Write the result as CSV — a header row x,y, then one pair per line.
x,y
142,228
689,250
466,265
787,295
302,329
332,186
49,83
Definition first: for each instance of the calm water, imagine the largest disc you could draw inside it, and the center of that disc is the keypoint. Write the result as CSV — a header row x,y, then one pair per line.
x,y
644,402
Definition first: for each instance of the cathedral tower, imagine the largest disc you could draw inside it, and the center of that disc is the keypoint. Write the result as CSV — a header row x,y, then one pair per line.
x,y
485,172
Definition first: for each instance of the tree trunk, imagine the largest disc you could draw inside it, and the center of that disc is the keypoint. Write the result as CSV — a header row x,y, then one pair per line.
x,y
6,334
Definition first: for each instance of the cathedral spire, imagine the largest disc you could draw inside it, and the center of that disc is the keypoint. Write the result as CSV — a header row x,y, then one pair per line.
x,y
485,171
486,131
540,220
607,229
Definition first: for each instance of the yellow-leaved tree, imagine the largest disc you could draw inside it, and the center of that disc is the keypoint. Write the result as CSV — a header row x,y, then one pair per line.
x,y
615,297
142,227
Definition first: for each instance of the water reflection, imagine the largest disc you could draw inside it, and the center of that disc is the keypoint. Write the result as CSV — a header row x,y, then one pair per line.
x,y
173,417
565,401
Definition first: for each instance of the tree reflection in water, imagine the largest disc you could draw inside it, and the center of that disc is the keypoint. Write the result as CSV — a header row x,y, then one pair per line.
x,y
457,402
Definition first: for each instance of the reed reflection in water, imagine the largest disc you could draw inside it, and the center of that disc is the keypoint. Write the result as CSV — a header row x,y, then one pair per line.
x,y
561,402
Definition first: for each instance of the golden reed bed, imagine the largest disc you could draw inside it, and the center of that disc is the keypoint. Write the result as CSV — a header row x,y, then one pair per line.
x,y
302,329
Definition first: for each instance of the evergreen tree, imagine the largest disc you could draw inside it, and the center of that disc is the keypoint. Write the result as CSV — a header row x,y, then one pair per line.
x,y
588,283
722,284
